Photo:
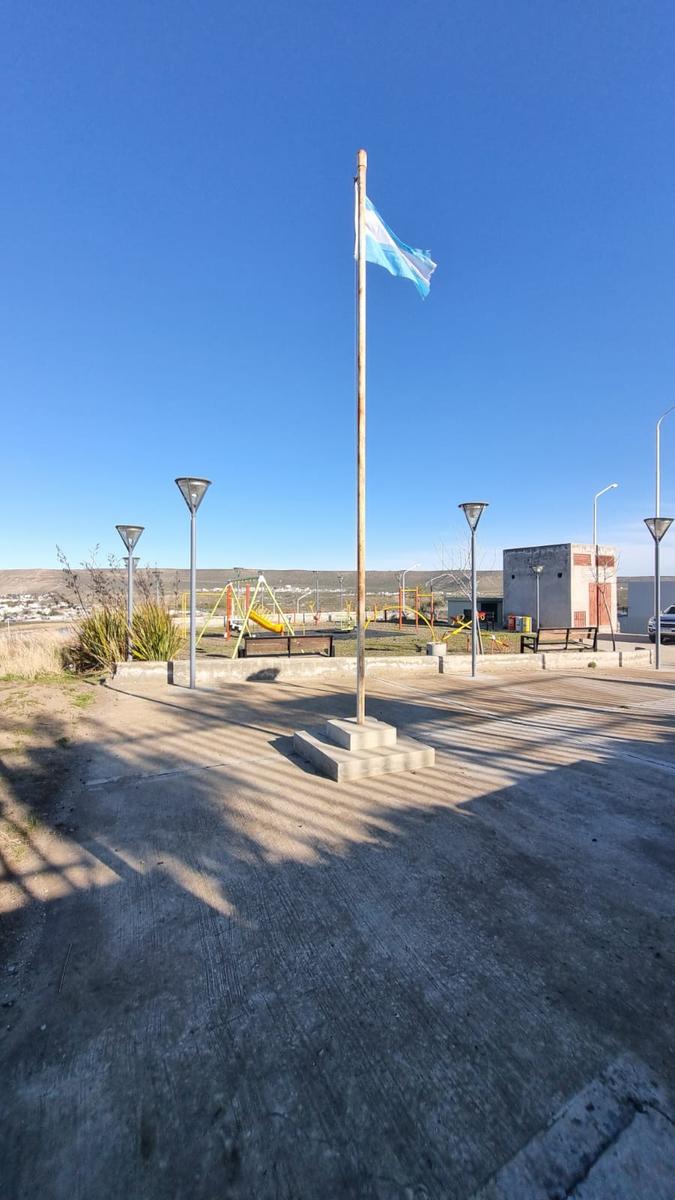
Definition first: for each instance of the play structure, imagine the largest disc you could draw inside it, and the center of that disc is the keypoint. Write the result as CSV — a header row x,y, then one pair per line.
x,y
417,598
242,603
248,604
415,611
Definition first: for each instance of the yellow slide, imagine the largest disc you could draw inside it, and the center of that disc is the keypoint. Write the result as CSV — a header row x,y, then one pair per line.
x,y
260,620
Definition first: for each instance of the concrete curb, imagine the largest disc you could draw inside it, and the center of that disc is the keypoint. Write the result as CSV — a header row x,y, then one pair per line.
x,y
551,660
141,670
242,670
273,669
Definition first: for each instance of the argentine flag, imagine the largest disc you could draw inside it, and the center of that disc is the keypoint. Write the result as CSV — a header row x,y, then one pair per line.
x,y
384,248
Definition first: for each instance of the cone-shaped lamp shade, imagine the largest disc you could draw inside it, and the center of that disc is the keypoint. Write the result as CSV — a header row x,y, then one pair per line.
x,y
473,511
130,534
193,490
658,526
538,569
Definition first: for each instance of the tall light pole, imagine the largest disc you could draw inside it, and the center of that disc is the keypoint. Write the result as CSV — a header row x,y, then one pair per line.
x,y
341,581
597,496
658,458
658,527
537,569
316,592
657,482
401,577
193,492
473,511
301,597
130,535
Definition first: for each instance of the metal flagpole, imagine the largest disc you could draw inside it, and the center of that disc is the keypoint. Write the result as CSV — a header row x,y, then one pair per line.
x,y
362,162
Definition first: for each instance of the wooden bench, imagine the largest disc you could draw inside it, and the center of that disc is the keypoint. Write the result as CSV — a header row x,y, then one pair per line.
x,y
579,637
288,644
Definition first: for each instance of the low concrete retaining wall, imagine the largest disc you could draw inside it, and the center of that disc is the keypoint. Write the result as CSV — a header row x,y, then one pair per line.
x,y
142,670
233,670
460,664
240,670
551,660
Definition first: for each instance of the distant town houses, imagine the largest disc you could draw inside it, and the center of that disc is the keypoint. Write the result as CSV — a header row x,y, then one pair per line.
x,y
24,608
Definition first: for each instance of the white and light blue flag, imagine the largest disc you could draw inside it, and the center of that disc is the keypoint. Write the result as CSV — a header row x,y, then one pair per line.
x,y
387,250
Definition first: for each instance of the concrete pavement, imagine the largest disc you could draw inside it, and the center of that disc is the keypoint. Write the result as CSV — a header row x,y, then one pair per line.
x,y
252,982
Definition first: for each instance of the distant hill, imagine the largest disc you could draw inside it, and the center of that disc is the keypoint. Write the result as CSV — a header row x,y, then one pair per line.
x,y
38,582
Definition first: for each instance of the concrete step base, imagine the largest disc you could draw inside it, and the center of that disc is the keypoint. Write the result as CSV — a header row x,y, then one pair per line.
x,y
341,764
352,736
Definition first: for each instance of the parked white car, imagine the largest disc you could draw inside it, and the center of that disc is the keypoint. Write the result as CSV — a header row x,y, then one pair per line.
x,y
667,625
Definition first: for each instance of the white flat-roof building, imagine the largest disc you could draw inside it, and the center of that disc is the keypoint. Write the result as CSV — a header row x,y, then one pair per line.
x,y
641,602
575,587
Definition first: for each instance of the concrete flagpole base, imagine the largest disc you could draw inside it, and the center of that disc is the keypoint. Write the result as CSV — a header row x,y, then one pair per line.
x,y
345,750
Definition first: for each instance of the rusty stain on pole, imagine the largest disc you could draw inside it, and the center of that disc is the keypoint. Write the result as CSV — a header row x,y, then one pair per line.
x,y
361,442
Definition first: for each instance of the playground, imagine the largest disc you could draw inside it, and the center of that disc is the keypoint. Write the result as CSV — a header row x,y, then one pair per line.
x,y
400,623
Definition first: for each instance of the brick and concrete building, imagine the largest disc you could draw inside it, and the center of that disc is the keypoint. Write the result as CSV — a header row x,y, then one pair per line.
x,y
575,588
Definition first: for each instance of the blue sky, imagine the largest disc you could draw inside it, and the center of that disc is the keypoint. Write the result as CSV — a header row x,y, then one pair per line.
x,y
177,281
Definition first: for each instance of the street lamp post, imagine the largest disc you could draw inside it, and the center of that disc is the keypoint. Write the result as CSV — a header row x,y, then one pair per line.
x,y
597,496
316,592
193,492
537,569
341,581
473,511
658,527
130,535
401,584
658,457
657,481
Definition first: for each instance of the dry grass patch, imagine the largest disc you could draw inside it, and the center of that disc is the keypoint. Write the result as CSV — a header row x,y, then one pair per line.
x,y
31,654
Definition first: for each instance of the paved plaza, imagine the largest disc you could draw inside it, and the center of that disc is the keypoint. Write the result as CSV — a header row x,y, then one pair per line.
x,y
239,979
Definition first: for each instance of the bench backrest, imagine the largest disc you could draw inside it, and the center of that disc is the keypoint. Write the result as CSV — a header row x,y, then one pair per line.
x,y
266,645
310,643
551,635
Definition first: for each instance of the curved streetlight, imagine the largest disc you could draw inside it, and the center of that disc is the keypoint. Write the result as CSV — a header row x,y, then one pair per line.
x,y
193,491
658,457
299,599
609,488
401,587
658,527
473,511
130,535
657,487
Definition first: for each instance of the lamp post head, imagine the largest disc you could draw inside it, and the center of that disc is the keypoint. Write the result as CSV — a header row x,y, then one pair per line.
x,y
130,534
609,488
473,511
538,569
658,526
193,490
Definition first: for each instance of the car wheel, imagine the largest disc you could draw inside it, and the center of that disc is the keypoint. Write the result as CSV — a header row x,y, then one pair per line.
x,y
652,638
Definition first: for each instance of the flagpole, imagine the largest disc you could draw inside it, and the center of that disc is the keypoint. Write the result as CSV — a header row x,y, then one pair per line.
x,y
362,162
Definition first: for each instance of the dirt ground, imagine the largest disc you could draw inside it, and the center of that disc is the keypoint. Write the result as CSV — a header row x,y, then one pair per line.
x,y
224,976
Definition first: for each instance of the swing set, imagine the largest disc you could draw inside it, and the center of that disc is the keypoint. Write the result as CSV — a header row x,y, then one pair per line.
x,y
247,600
